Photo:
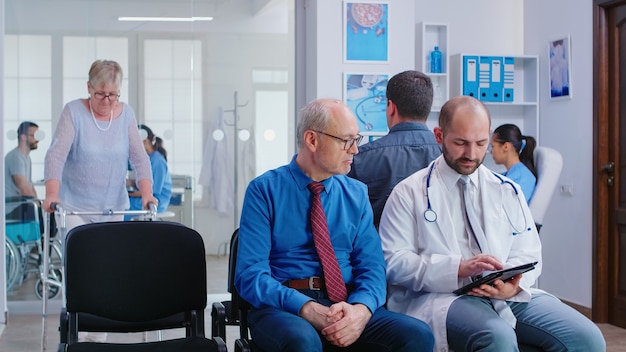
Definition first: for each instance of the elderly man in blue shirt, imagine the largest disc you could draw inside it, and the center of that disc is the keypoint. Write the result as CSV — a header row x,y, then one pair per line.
x,y
279,270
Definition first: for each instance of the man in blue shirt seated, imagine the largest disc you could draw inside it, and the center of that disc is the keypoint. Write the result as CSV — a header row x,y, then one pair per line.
x,y
410,146
279,270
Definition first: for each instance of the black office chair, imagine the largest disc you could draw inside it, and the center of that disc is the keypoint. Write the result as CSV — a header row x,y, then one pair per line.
x,y
235,311
133,277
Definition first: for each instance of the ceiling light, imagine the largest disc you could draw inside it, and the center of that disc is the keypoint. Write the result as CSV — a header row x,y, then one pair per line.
x,y
165,19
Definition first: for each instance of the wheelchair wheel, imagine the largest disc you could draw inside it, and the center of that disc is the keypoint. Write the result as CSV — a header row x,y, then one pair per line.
x,y
53,290
13,263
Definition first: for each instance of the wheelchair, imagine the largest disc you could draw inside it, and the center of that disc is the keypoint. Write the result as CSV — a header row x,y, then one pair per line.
x,y
24,246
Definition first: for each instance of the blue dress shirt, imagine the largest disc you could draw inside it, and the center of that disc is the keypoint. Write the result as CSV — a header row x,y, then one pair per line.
x,y
276,243
524,178
383,163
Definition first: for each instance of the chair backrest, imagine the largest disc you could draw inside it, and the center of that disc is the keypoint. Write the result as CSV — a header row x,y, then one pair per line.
x,y
135,271
244,343
548,163
235,311
238,305
232,259
235,301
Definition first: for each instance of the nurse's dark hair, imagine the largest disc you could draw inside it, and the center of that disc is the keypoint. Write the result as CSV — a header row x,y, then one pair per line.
x,y
523,145
156,142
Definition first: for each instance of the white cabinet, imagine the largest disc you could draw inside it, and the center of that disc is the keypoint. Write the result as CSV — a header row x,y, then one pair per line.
x,y
429,35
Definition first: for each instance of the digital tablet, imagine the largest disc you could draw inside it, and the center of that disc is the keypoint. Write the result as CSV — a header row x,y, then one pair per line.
x,y
503,275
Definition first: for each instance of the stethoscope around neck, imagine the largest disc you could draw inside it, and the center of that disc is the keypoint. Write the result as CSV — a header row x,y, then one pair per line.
x,y
431,216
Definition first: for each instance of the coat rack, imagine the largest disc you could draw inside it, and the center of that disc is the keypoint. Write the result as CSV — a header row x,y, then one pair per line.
x,y
235,111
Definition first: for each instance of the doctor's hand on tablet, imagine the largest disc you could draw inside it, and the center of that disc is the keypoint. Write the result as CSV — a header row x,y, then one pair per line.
x,y
498,289
478,264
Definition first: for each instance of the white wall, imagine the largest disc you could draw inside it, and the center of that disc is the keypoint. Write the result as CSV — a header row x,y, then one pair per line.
x,y
567,125
486,26
509,28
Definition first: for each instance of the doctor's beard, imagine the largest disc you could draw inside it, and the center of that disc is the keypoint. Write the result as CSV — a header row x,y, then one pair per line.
x,y
458,164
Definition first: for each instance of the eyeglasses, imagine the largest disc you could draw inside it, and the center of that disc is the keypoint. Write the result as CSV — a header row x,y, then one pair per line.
x,y
111,96
348,142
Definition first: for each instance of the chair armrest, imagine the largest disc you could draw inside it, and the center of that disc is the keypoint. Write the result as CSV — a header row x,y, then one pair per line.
x,y
63,326
242,345
218,320
221,345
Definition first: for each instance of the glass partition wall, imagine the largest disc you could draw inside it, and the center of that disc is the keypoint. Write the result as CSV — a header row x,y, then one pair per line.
x,y
218,92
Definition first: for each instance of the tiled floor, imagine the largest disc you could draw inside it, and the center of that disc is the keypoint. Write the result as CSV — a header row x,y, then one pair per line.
x,y
23,333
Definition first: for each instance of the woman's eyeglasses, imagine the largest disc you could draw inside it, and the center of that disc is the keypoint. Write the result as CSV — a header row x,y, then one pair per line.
x,y
111,96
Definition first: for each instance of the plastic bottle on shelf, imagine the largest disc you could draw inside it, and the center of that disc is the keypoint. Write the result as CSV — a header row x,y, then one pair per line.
x,y
435,61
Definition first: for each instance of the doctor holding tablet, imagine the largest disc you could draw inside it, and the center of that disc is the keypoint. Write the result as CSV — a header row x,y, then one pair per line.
x,y
453,224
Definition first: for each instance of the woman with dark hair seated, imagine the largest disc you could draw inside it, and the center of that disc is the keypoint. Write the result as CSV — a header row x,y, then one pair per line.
x,y
515,151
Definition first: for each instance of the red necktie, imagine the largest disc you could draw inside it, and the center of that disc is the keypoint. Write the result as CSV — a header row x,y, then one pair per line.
x,y
335,286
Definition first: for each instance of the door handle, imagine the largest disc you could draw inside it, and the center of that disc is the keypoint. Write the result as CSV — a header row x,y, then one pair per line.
x,y
610,181
609,168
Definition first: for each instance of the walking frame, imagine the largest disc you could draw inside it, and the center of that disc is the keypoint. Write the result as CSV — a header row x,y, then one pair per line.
x,y
49,281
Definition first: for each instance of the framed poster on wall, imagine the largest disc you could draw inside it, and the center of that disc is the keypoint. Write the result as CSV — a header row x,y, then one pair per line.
x,y
560,68
366,95
366,27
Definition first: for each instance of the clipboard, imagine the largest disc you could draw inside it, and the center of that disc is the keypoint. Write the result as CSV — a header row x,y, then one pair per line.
x,y
503,275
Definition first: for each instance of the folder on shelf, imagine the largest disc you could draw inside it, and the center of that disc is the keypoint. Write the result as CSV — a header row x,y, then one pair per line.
x,y
497,73
484,78
470,76
508,93
493,72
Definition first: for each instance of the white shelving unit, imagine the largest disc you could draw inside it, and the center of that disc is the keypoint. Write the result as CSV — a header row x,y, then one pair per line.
x,y
429,35
523,110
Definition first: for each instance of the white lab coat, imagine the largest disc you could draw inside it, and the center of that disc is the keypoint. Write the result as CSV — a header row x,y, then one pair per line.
x,y
423,257
217,169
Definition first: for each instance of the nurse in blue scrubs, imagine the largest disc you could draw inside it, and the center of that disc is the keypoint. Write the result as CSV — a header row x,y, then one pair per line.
x,y
515,151
161,179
